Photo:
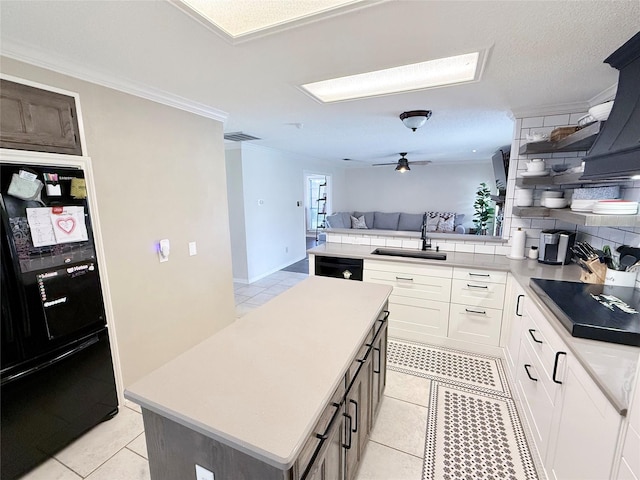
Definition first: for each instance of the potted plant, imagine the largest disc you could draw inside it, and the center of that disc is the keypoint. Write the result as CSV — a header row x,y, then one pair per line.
x,y
483,209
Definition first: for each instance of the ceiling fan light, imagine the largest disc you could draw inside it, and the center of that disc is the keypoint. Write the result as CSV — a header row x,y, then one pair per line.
x,y
403,165
414,119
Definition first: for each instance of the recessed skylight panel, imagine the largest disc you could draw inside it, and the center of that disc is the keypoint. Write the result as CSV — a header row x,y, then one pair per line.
x,y
405,78
238,18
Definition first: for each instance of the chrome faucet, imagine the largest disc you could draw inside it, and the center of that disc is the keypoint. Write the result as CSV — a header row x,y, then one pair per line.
x,y
423,236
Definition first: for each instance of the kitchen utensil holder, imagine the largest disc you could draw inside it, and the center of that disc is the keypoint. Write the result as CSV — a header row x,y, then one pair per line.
x,y
599,272
620,278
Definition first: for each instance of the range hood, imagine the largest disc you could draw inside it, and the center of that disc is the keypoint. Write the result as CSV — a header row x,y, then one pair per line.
x,y
616,151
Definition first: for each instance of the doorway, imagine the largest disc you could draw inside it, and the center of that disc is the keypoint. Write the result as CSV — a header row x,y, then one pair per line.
x,y
317,204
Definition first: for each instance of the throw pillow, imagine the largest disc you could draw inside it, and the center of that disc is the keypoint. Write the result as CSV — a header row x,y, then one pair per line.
x,y
446,223
433,218
358,222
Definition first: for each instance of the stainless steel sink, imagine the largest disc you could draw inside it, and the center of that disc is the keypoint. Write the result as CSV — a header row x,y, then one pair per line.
x,y
429,255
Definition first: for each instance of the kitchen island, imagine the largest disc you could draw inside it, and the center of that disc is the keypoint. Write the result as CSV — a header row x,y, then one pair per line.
x,y
253,400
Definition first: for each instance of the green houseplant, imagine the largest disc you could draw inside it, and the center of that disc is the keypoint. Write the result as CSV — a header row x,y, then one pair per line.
x,y
483,209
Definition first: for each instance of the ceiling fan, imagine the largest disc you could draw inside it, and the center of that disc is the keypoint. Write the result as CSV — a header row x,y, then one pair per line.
x,y
403,164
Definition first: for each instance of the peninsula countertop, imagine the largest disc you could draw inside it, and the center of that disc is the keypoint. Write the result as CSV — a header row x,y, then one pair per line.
x,y
611,366
260,384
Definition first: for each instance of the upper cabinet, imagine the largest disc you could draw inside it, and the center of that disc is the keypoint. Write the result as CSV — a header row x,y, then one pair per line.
x,y
38,120
576,142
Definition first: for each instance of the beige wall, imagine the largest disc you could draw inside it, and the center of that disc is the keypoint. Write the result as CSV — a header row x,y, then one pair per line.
x,y
159,173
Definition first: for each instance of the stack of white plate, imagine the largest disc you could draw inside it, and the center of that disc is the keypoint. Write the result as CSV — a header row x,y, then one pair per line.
x,y
582,205
615,207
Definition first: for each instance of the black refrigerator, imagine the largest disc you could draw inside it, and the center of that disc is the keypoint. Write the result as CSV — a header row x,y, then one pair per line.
x,y
56,378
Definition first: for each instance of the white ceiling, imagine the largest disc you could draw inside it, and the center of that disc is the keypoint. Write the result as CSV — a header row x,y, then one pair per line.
x,y
541,54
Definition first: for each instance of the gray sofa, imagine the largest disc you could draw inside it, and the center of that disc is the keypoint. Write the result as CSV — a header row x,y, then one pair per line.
x,y
437,222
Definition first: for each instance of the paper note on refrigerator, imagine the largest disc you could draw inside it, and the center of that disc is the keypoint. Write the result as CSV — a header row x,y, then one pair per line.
x,y
68,225
64,226
40,225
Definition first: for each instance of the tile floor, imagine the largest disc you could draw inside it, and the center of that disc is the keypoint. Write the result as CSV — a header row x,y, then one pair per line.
x,y
116,450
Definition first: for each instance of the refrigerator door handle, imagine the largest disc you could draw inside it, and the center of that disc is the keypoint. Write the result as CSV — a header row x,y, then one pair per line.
x,y
93,340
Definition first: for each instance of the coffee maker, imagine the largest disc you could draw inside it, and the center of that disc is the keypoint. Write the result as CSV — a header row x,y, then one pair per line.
x,y
555,245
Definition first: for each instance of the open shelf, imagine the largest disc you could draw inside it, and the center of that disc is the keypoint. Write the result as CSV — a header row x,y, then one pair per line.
x,y
578,218
572,178
576,142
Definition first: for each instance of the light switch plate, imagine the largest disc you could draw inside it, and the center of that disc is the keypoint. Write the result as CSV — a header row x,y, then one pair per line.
x,y
203,474
193,250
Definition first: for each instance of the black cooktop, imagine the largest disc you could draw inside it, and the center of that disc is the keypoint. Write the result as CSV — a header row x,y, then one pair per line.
x,y
597,312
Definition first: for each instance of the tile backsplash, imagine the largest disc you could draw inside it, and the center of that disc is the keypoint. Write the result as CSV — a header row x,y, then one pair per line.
x,y
596,236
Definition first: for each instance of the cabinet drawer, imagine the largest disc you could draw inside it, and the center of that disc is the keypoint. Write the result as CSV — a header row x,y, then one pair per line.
x,y
420,316
475,324
544,341
477,294
413,285
313,442
408,268
489,276
538,404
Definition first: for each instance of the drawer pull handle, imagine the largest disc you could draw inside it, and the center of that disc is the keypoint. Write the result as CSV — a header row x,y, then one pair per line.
x,y
555,367
348,444
526,368
379,361
355,430
479,274
531,330
481,312
325,435
406,279
520,297
476,286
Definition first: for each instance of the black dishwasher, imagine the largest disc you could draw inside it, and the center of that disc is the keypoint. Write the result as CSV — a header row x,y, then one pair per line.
x,y
339,267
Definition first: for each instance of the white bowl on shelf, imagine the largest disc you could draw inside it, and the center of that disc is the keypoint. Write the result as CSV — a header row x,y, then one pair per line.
x,y
555,202
601,112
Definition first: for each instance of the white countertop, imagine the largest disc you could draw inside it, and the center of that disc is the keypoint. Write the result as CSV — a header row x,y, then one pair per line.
x,y
611,366
260,384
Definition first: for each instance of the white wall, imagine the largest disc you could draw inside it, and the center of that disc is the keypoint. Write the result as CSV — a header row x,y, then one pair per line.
x,y
274,231
159,173
434,187
235,199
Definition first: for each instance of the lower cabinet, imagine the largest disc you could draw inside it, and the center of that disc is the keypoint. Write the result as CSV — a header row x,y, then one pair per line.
x,y
343,441
454,306
575,428
587,430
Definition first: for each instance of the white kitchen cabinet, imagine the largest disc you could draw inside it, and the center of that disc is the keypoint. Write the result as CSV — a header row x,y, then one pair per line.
x,y
475,324
419,303
588,426
477,299
538,397
575,428
630,461
513,322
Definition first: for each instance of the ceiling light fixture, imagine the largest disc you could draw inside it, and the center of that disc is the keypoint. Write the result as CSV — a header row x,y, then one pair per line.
x,y
403,165
415,118
404,78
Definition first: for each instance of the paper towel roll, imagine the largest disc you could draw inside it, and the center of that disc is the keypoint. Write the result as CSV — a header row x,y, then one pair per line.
x,y
517,244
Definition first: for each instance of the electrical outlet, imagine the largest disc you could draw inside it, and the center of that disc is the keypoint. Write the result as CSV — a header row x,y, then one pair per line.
x,y
203,474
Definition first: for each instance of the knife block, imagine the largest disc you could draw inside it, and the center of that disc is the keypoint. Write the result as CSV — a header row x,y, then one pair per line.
x,y
599,272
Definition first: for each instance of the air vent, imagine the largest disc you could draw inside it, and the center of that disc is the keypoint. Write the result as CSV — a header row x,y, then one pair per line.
x,y
239,137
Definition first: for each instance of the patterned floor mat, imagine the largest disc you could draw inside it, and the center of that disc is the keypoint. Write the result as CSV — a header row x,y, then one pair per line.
x,y
483,372
477,436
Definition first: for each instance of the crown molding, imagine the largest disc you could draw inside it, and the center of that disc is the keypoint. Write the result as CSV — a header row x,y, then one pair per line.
x,y
605,95
27,54
546,110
